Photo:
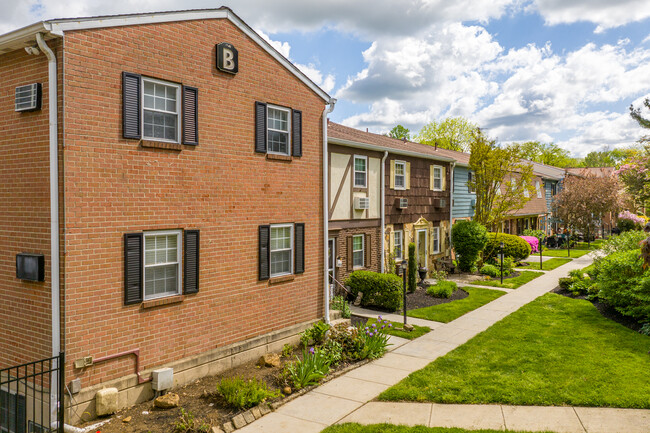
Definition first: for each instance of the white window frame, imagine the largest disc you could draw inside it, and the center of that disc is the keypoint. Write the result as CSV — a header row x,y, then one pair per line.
x,y
538,188
417,245
363,251
497,188
179,262
436,240
401,244
178,109
403,176
470,190
291,248
439,178
526,191
355,171
288,131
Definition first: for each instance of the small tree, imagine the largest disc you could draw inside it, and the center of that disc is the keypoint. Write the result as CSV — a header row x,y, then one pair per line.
x,y
453,133
469,239
400,132
412,270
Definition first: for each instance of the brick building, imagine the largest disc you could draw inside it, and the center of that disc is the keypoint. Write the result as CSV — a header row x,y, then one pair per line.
x,y
190,224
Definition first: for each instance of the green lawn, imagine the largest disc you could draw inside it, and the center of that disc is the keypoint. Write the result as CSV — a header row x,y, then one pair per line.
x,y
447,312
549,265
563,253
510,283
389,428
418,331
554,351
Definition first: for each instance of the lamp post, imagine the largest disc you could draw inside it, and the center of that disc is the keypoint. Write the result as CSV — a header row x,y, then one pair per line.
x,y
403,266
568,244
540,246
501,262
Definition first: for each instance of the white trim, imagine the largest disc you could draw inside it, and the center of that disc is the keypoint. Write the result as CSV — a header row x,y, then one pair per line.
x,y
436,237
363,251
439,167
291,248
179,262
365,172
288,131
403,164
366,146
178,108
417,245
538,189
401,242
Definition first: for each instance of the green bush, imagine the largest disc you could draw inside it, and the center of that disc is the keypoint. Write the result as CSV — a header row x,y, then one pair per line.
x,y
412,269
469,239
622,284
490,270
379,290
316,333
339,303
625,225
624,242
565,283
539,234
442,289
309,370
513,246
241,394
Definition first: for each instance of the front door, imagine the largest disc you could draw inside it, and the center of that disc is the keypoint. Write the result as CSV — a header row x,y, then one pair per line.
x,y
421,247
331,263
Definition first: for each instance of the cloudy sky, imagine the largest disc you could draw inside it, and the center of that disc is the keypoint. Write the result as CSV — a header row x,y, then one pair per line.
x,y
551,70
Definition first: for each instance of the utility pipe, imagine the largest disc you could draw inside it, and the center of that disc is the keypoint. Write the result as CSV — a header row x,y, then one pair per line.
x,y
451,202
136,353
326,211
382,171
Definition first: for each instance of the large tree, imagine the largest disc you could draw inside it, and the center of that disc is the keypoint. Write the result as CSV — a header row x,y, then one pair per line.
x,y
583,201
635,176
544,153
455,133
500,180
400,132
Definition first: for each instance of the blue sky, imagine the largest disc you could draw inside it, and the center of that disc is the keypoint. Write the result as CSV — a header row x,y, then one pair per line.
x,y
551,70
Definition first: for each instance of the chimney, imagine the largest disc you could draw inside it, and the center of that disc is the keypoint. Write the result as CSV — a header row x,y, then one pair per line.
x,y
366,129
404,139
435,147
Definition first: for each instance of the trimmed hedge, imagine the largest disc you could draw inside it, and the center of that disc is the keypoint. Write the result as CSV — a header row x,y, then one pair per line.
x,y
379,290
469,239
442,289
514,246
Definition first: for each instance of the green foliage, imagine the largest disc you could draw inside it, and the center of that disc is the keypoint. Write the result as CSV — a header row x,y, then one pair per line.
x,y
241,394
339,303
625,225
316,334
490,270
412,269
438,275
469,239
624,242
188,424
513,246
375,339
539,234
545,153
309,370
453,133
452,310
287,350
549,265
395,328
348,340
379,290
333,351
400,132
442,289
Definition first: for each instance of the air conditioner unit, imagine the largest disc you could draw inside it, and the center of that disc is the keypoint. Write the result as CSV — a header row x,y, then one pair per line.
x,y
403,203
361,203
28,98
439,203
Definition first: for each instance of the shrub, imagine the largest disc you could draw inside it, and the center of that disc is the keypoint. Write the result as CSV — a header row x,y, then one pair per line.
x,y
629,221
513,246
442,289
539,234
533,242
242,394
491,270
339,303
348,339
316,333
565,283
625,225
379,290
187,424
469,239
412,269
309,370
624,242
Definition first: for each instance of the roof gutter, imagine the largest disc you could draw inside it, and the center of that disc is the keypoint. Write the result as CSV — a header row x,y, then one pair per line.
x,y
326,273
367,146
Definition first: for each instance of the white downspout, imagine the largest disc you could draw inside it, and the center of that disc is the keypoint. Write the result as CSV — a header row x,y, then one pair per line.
x,y
52,100
383,210
451,203
326,293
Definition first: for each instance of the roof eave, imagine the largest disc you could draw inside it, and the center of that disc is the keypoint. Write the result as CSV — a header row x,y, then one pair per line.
x,y
22,37
367,146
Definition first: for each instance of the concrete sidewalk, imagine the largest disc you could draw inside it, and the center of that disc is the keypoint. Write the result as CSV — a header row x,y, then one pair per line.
x,y
348,397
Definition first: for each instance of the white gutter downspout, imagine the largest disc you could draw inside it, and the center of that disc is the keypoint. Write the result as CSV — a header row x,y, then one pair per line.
x,y
451,203
54,212
326,211
383,210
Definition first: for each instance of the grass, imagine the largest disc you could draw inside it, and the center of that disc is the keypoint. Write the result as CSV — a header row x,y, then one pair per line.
x,y
549,265
418,331
575,253
445,313
554,351
389,428
510,283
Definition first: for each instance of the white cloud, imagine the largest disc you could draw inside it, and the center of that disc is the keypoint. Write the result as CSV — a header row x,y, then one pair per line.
x,y
604,13
326,83
283,47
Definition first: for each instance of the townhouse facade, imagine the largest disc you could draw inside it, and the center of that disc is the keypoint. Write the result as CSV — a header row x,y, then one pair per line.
x,y
155,175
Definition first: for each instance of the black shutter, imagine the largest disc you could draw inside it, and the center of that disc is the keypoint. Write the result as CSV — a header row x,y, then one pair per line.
x,y
131,105
132,268
191,262
190,115
21,414
350,253
264,252
299,253
260,127
367,246
296,129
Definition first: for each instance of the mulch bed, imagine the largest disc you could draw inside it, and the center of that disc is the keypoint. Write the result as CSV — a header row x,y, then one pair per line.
x,y
420,299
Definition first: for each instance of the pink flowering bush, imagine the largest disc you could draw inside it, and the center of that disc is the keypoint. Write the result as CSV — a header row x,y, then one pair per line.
x,y
533,242
627,215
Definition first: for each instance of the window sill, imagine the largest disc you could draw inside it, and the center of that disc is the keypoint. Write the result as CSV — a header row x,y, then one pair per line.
x,y
281,279
360,189
162,301
276,157
161,145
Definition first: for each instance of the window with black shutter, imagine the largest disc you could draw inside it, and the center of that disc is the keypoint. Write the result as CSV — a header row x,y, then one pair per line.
x,y
297,132
190,115
278,130
264,250
281,250
131,105
299,253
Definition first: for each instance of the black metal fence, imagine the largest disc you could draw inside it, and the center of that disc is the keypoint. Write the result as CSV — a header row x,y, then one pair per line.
x,y
31,397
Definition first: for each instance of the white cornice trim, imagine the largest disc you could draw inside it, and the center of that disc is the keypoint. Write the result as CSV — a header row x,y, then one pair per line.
x,y
359,145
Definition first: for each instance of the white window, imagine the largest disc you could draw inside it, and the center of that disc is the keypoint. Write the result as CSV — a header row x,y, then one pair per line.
x,y
513,184
497,188
360,171
538,189
162,258
526,191
437,178
358,250
436,240
399,244
278,127
470,178
281,249
422,238
161,110
400,175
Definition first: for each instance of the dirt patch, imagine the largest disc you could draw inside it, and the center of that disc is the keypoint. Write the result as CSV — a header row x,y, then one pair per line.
x,y
420,299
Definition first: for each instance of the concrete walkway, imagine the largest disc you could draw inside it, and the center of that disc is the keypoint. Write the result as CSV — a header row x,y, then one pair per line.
x,y
348,397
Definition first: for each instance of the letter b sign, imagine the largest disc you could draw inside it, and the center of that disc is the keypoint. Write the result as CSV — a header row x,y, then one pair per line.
x,y
227,58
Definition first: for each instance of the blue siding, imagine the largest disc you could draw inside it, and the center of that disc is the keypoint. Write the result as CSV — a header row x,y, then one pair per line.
x,y
462,202
549,197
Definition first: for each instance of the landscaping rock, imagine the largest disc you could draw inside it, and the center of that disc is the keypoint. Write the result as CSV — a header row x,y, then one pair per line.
x,y
167,401
239,421
269,360
256,412
248,417
127,419
216,430
228,427
357,301
286,390
408,327
264,408
106,401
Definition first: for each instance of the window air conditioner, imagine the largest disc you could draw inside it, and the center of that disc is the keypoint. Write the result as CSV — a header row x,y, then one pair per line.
x,y
28,98
403,203
361,203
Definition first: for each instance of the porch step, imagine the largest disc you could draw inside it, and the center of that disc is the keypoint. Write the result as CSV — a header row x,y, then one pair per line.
x,y
340,320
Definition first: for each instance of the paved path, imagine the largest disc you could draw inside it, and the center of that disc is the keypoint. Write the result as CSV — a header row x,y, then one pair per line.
x,y
348,397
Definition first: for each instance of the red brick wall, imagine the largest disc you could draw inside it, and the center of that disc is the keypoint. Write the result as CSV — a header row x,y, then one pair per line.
x,y
25,311
221,187
341,236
